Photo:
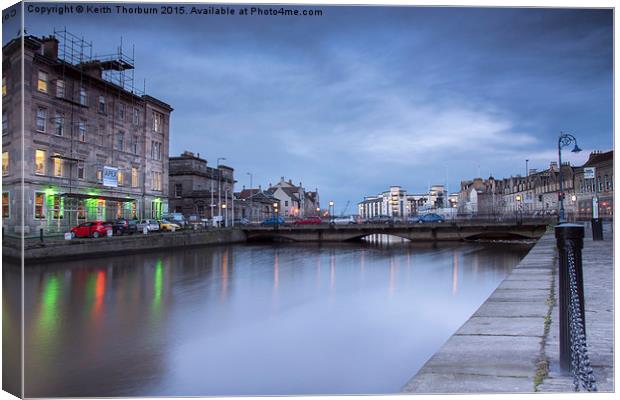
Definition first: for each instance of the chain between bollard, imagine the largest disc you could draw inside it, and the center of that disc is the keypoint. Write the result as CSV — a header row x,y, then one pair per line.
x,y
583,375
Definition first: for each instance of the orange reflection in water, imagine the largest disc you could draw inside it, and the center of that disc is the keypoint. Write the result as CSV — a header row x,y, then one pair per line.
x,y
99,292
276,272
224,275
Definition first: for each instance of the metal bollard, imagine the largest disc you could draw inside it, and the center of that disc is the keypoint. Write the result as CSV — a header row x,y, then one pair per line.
x,y
597,229
569,238
41,234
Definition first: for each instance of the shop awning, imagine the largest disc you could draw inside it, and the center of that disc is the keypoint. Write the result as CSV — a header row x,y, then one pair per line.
x,y
97,197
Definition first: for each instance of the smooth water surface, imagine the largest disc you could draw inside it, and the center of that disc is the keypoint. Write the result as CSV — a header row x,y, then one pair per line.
x,y
256,319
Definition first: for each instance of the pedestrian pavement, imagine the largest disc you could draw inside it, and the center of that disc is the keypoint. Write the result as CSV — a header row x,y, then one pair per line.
x,y
506,347
598,278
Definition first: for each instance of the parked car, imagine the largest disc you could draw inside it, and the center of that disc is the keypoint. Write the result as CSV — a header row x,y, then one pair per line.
x,y
313,220
123,226
150,224
434,218
93,229
413,219
242,221
350,220
176,218
273,221
380,219
166,225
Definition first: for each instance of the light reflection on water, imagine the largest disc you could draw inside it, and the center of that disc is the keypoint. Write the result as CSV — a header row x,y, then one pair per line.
x,y
249,319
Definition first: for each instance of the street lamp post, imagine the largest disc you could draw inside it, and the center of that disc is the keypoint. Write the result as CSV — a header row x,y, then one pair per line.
x,y
225,214
564,140
219,188
251,209
275,215
330,211
518,208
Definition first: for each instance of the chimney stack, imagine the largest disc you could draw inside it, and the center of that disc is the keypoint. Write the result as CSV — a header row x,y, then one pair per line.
x,y
50,47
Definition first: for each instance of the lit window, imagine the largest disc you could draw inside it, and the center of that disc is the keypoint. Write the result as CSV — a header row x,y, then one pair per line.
x,y
119,178
5,163
134,177
82,130
59,122
99,175
5,123
101,104
80,171
83,97
41,119
6,212
60,88
120,141
3,86
158,122
39,162
156,180
42,82
39,201
57,166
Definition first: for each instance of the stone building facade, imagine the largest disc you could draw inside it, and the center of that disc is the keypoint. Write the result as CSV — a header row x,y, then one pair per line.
x,y
601,186
199,190
294,201
93,150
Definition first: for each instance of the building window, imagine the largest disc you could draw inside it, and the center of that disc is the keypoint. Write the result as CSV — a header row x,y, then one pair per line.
x,y
80,171
99,175
6,208
101,104
121,112
82,130
3,86
41,119
120,141
60,88
57,166
158,122
178,190
5,123
59,122
42,82
136,116
39,201
134,144
5,163
39,162
83,97
156,150
156,180
134,177
600,184
119,178
607,182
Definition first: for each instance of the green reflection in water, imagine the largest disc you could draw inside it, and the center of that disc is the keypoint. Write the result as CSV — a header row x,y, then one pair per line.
x,y
158,286
48,320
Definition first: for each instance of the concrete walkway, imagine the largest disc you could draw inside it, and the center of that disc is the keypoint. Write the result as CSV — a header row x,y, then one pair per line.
x,y
509,342
598,278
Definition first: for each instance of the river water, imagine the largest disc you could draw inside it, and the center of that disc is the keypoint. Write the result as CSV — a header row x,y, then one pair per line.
x,y
250,319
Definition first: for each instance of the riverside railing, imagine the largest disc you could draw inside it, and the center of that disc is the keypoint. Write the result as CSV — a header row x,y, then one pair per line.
x,y
573,347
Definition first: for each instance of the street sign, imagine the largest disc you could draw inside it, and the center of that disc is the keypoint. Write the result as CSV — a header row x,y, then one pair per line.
x,y
589,172
110,176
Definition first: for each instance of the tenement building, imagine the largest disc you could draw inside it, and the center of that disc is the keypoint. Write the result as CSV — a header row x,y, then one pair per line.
x,y
93,147
199,190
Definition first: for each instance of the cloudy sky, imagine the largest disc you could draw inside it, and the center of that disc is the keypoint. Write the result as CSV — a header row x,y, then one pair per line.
x,y
366,97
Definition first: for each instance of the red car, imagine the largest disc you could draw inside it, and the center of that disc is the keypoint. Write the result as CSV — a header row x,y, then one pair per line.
x,y
309,221
91,229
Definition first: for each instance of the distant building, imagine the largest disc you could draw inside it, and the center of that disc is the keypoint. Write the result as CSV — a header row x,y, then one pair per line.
x,y
600,186
396,203
94,147
254,205
294,201
200,190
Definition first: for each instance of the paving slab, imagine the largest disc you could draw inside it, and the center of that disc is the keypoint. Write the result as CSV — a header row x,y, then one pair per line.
x,y
508,326
492,308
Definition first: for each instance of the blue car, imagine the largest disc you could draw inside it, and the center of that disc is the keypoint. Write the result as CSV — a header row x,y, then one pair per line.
x,y
273,221
434,218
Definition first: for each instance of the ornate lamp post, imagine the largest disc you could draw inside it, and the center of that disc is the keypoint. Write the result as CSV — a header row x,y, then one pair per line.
x,y
564,140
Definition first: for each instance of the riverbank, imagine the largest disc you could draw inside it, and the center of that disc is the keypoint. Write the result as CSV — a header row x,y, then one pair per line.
x,y
59,249
510,344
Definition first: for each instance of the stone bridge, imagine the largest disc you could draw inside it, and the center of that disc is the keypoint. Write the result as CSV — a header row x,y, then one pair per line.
x,y
446,231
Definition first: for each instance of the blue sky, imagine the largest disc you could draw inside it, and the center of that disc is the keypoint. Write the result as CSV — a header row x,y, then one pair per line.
x,y
366,97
